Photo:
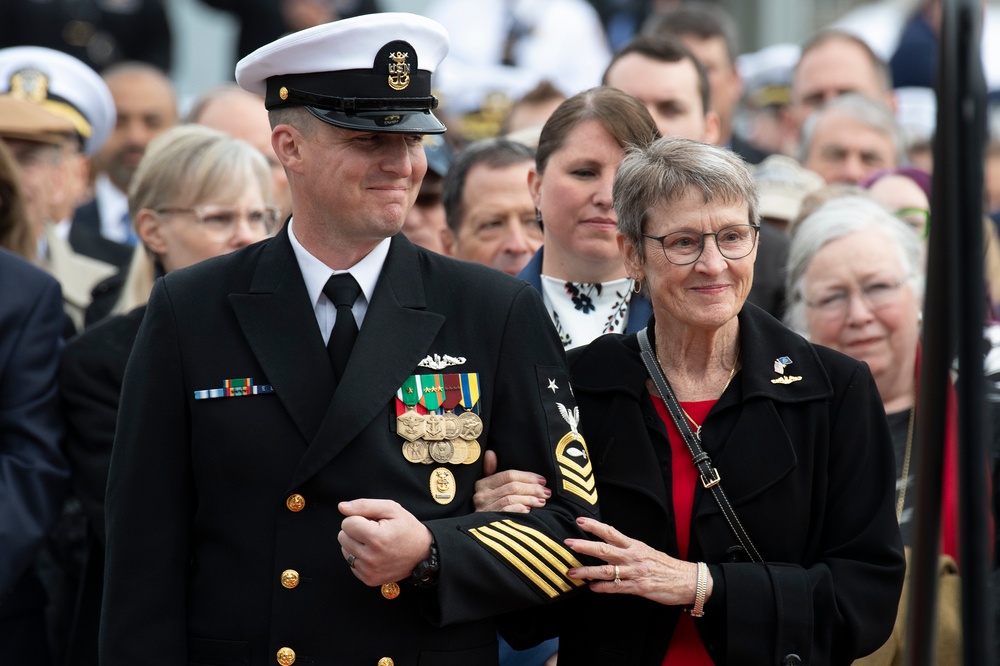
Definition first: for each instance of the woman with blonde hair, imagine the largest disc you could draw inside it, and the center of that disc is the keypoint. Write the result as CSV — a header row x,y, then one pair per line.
x,y
197,194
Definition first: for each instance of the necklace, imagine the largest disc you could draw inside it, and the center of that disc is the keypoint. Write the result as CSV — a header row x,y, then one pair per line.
x,y
732,373
906,465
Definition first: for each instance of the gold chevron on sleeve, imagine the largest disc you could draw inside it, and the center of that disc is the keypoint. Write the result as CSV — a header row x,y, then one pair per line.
x,y
575,469
531,553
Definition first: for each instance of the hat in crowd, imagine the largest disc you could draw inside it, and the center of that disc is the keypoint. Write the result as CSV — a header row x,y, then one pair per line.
x,y
438,154
767,74
61,85
368,73
782,184
21,119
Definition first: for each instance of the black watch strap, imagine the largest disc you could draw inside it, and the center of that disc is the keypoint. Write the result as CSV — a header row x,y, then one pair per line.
x,y
425,574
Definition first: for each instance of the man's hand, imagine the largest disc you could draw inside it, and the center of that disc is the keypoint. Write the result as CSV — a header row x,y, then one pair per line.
x,y
386,541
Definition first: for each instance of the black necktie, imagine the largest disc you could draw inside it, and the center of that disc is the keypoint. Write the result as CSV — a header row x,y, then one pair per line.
x,y
342,290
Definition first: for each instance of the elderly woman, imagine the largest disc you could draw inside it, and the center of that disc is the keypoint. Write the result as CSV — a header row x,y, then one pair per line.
x,y
855,282
578,271
793,434
197,194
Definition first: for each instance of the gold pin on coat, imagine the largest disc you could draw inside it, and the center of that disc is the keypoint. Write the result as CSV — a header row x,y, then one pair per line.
x,y
442,485
779,367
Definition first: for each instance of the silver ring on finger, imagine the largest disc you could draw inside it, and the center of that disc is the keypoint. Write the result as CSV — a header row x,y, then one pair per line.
x,y
350,560
618,578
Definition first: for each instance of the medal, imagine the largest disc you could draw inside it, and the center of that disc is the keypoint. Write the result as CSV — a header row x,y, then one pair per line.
x,y
474,452
460,451
409,424
442,450
442,485
416,451
471,426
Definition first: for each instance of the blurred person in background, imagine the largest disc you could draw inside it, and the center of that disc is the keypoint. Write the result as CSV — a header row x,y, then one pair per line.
x,y
491,215
100,33
230,109
833,63
53,165
711,34
578,270
197,194
426,222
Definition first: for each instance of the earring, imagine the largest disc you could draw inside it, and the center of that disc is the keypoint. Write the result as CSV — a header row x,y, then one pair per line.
x,y
637,284
538,216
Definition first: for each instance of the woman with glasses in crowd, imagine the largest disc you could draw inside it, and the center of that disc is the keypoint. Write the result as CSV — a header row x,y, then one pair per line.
x,y
855,284
716,395
197,194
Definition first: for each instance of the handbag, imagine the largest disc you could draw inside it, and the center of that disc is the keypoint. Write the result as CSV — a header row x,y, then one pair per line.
x,y
710,477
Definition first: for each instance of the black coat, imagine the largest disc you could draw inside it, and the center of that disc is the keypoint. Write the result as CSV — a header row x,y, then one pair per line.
x,y
809,469
199,530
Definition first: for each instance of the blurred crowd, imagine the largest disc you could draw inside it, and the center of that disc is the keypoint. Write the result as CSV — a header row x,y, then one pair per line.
x,y
98,156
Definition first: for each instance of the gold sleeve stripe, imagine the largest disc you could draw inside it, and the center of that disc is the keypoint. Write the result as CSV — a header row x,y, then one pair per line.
x,y
566,461
562,551
556,576
516,562
554,562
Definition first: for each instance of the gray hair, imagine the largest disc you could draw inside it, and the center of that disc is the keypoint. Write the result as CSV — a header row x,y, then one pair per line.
x,y
865,110
663,172
836,219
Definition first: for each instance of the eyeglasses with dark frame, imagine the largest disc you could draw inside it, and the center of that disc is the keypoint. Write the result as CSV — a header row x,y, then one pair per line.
x,y
221,223
682,248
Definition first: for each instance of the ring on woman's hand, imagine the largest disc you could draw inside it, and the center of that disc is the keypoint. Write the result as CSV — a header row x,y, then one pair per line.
x,y
618,579
350,560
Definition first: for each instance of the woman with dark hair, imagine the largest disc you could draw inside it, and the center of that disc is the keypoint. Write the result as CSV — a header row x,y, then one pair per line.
x,y
578,270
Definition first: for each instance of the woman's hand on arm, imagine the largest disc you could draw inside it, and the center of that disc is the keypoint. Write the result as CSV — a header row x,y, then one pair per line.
x,y
643,571
512,490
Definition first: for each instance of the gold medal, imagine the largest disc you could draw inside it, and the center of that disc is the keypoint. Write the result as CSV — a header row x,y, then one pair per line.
x,y
442,485
433,427
461,450
390,590
415,451
410,425
452,426
442,451
471,426
474,452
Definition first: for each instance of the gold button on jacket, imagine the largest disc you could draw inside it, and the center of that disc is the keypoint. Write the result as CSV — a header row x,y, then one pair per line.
x,y
295,503
290,578
286,656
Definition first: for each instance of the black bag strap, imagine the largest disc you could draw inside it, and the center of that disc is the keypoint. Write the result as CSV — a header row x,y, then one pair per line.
x,y
710,478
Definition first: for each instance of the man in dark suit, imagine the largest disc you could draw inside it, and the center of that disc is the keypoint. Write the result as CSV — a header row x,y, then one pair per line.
x,y
282,491
34,476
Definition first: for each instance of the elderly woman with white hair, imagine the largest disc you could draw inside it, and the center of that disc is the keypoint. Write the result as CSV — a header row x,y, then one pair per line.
x,y
802,564
855,284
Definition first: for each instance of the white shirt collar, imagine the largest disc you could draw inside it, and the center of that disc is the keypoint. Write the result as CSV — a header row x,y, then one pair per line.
x,y
112,206
315,274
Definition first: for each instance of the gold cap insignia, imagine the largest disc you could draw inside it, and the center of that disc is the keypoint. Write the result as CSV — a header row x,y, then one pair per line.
x,y
399,70
283,92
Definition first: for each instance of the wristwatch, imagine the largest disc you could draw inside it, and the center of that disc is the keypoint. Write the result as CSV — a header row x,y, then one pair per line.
x,y
425,574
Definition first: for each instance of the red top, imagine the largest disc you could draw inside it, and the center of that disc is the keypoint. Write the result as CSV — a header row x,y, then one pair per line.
x,y
686,648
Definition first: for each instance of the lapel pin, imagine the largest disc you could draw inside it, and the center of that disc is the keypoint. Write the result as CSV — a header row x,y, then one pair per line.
x,y
779,367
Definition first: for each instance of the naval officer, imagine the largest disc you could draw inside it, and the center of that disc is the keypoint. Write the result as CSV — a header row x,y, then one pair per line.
x,y
302,421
